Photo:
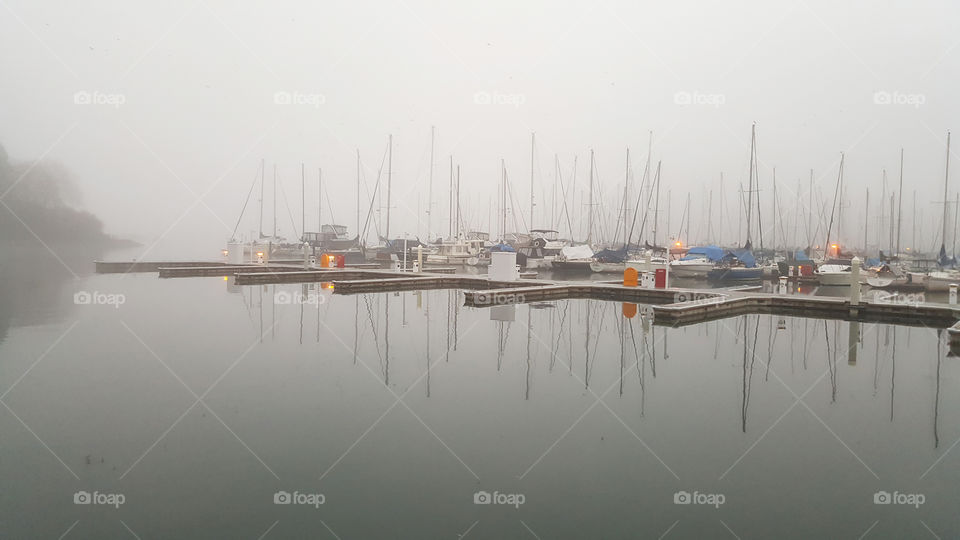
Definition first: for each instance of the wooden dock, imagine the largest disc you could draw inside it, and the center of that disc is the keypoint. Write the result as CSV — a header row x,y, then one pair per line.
x,y
671,307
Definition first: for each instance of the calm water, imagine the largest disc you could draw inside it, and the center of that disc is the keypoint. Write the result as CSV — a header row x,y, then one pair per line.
x,y
197,403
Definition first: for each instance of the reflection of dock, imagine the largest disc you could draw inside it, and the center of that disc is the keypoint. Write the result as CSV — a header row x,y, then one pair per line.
x,y
670,307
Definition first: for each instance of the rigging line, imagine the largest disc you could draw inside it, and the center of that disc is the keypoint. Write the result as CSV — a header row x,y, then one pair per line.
x,y
329,206
242,210
376,187
289,212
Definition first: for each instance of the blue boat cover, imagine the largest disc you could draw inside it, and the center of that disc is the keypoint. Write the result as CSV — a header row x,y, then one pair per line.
x,y
712,253
873,263
611,255
502,247
800,255
743,255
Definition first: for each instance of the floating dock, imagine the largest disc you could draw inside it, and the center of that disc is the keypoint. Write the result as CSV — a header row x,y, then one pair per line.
x,y
670,307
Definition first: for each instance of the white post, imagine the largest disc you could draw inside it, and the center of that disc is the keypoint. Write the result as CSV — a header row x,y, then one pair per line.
x,y
953,293
420,258
404,252
783,284
855,281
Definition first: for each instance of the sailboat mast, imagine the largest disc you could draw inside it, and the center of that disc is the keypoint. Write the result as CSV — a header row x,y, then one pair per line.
x,y
430,186
533,143
450,203
826,245
753,143
358,197
590,205
320,200
656,208
262,180
274,200
946,177
303,200
866,222
900,204
389,179
458,224
503,201
626,184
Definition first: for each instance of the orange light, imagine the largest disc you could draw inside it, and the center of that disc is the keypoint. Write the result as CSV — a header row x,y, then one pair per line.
x,y
259,254
678,243
834,246
225,252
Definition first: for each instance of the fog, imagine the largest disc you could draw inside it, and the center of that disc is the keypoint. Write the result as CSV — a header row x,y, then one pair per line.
x,y
161,113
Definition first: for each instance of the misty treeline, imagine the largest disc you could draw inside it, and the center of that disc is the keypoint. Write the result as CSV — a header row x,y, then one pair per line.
x,y
38,205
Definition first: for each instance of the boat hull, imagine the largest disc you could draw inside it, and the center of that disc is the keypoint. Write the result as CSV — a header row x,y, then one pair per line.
x,y
735,274
698,270
572,266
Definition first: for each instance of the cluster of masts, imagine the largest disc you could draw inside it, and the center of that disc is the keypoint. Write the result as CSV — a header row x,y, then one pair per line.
x,y
637,217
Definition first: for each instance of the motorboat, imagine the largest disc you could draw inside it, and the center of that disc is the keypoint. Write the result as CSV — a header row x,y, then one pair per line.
x,y
697,267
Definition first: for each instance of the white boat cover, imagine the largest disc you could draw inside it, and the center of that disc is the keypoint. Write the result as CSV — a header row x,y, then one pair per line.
x,y
577,252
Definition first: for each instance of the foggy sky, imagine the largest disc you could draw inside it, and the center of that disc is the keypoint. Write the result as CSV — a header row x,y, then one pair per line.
x,y
198,81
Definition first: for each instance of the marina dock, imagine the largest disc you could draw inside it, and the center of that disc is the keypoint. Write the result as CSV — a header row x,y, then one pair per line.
x,y
669,306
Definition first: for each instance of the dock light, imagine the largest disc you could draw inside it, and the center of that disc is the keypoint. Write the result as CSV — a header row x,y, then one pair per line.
x,y
327,285
225,252
678,244
226,278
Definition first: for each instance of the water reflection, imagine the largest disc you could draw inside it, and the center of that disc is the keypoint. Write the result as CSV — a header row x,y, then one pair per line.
x,y
591,332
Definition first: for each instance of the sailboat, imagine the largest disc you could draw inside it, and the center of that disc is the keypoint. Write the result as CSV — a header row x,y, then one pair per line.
x,y
740,264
